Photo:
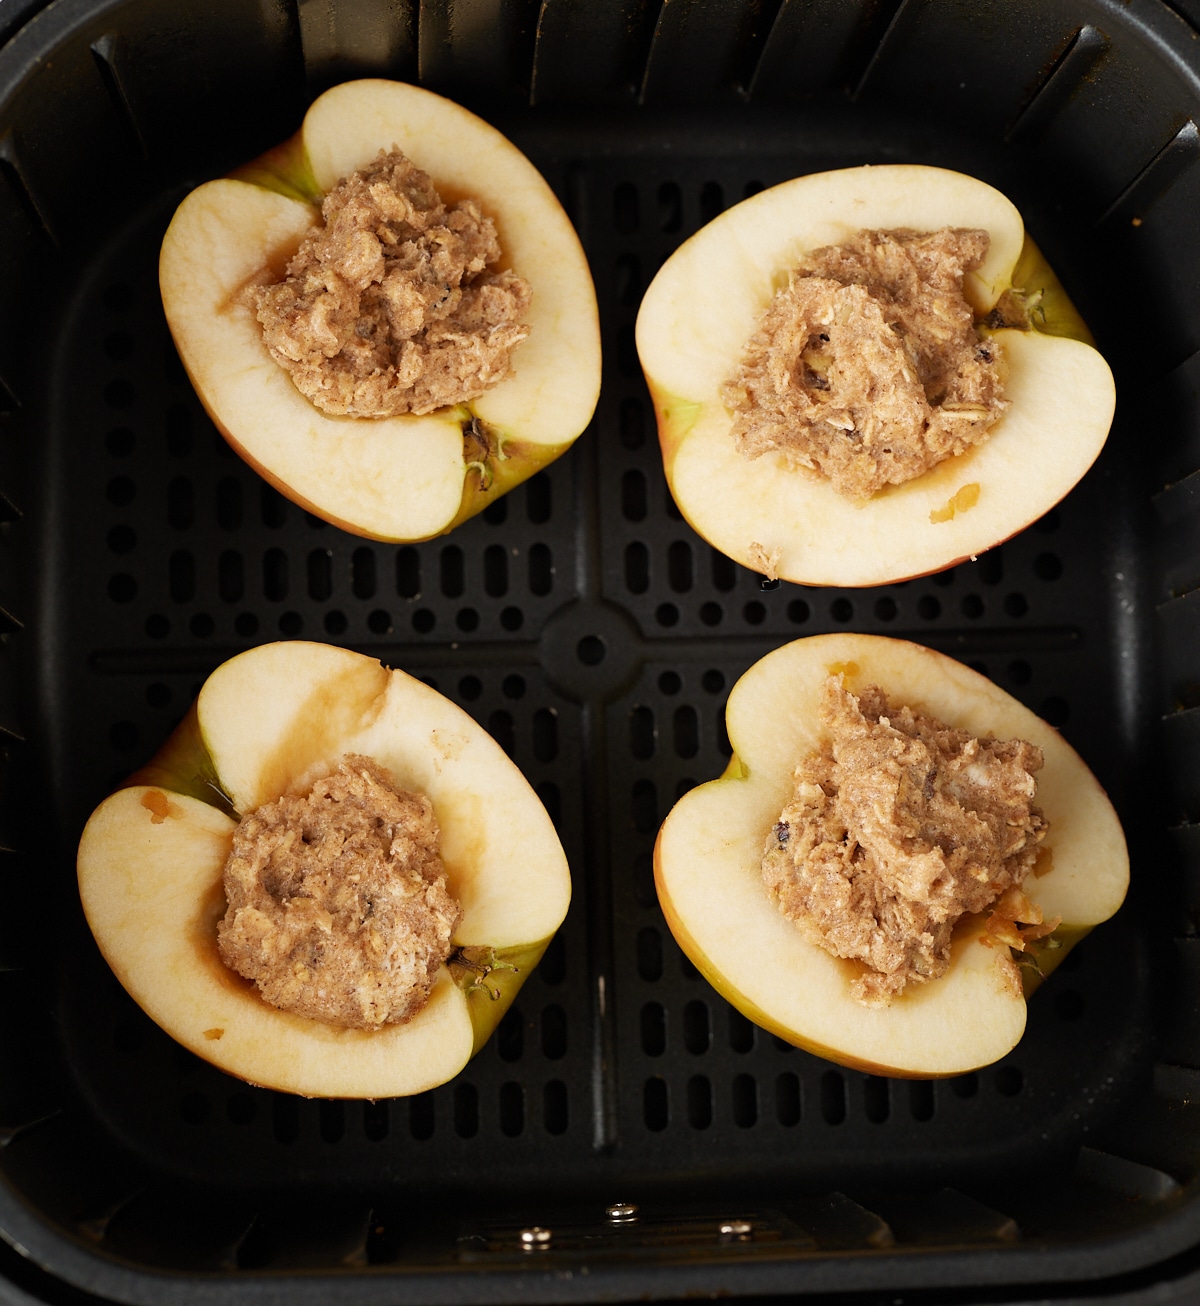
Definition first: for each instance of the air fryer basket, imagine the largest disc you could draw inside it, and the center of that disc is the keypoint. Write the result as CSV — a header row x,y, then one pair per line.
x,y
596,637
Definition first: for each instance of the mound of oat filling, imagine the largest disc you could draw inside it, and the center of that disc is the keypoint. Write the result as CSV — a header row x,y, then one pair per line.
x,y
897,827
395,304
867,366
338,905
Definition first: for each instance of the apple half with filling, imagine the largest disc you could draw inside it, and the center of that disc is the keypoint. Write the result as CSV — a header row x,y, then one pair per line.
x,y
152,856
704,305
395,478
707,866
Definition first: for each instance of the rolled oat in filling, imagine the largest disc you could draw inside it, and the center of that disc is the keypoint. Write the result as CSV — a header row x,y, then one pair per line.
x,y
338,904
394,303
898,826
868,367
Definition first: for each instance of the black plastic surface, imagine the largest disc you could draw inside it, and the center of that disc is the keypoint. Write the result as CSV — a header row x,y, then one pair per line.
x,y
587,627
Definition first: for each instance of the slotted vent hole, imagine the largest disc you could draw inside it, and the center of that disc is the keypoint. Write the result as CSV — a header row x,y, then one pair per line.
x,y
541,570
637,567
495,571
320,575
285,1118
699,1102
554,1033
653,1028
275,575
787,1099
229,503
551,798
920,1099
724,571
331,1118
679,566
655,1104
451,578
545,734
512,1109
712,201
408,573
741,1032
510,1036
876,1102
376,1121
633,495
686,731
641,733
539,499
649,955
231,576
362,573
629,280
645,806
555,1115
466,1110
626,218
553,966
500,727
697,1027
632,423
833,1097
745,1101
670,208
643,880
421,1118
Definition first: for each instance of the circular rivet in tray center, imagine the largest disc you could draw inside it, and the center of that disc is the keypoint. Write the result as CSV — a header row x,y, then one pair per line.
x,y
590,649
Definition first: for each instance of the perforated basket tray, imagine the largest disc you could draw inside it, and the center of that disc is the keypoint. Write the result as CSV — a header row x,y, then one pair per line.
x,y
596,637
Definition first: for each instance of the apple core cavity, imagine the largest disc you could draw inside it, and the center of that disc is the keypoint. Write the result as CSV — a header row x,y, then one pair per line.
x,y
338,904
868,366
394,303
898,826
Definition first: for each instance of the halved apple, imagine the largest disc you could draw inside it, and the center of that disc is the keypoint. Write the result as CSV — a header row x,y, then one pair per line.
x,y
398,478
152,856
709,851
703,306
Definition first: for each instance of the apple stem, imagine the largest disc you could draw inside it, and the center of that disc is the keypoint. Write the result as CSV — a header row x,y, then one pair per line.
x,y
478,963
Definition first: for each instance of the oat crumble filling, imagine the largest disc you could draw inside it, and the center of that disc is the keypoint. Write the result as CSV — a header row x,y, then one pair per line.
x,y
867,367
898,825
338,904
394,303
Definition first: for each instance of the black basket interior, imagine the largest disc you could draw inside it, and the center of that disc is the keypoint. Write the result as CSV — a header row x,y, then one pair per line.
x,y
584,624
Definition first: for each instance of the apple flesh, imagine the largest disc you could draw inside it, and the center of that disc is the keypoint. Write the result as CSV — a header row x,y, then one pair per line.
x,y
708,856
399,478
152,856
704,305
